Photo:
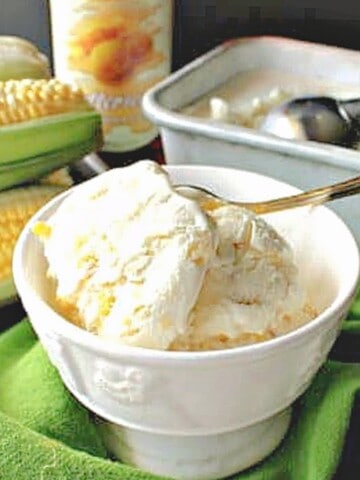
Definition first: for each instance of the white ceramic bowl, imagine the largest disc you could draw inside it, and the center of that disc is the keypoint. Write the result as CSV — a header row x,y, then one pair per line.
x,y
201,415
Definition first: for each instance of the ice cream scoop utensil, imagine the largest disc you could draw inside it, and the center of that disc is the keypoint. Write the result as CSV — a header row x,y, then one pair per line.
x,y
322,119
315,196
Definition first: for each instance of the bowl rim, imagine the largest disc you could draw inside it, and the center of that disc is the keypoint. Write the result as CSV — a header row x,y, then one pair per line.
x,y
112,349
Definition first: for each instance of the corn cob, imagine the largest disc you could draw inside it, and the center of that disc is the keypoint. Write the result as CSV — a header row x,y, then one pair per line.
x,y
23,100
17,205
44,123
20,58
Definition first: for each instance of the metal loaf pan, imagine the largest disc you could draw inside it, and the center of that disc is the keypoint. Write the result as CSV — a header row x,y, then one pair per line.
x,y
191,140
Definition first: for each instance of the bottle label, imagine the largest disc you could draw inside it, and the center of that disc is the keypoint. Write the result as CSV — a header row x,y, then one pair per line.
x,y
114,50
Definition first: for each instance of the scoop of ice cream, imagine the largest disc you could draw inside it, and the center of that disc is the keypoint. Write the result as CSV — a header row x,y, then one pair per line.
x,y
251,292
128,255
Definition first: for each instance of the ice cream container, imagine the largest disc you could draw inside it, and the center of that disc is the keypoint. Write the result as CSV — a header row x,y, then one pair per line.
x,y
259,64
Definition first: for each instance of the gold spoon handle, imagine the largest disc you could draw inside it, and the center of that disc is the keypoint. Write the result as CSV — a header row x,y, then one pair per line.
x,y
316,196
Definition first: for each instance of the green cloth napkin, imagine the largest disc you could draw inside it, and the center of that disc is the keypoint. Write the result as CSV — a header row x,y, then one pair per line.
x,y
46,434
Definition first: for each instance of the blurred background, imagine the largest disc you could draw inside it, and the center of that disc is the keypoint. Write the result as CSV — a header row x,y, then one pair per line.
x,y
202,24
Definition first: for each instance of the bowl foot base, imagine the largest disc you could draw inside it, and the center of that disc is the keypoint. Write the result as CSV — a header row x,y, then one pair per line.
x,y
196,457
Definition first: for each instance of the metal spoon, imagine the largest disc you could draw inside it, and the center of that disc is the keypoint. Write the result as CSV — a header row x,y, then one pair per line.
x,y
92,165
316,196
322,119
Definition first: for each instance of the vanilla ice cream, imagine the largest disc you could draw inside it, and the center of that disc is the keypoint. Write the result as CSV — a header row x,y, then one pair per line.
x,y
248,96
251,291
134,261
128,255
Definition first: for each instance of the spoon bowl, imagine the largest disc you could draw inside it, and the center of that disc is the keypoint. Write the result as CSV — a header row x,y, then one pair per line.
x,y
321,119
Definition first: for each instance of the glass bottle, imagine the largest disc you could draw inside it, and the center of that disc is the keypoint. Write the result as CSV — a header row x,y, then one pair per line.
x,y
114,50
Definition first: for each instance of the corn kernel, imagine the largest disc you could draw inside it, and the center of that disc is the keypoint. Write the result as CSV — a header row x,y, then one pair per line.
x,y
42,230
22,100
